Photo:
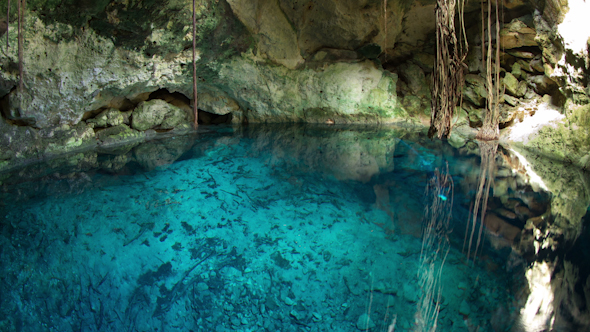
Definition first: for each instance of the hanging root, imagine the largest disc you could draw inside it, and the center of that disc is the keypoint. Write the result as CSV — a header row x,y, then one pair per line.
x,y
490,130
448,69
21,41
7,24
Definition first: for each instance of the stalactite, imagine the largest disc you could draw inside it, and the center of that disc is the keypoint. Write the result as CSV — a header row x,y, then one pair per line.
x,y
448,70
195,108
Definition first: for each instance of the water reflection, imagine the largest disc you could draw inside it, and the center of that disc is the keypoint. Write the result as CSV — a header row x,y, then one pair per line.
x,y
337,210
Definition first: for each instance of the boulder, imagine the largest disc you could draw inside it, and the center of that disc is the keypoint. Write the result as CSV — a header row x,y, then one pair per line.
x,y
108,118
464,308
525,65
517,34
537,65
510,100
475,89
118,134
511,84
219,104
364,323
156,114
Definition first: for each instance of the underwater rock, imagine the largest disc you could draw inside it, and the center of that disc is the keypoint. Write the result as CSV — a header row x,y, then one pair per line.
x,y
365,322
500,227
464,308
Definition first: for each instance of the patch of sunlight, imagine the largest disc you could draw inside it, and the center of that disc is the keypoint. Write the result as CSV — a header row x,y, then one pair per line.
x,y
572,29
544,115
538,312
534,179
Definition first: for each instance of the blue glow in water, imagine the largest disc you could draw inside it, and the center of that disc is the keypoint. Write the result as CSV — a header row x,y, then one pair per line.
x,y
251,229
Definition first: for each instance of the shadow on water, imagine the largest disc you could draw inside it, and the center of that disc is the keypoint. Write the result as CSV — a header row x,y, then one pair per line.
x,y
295,228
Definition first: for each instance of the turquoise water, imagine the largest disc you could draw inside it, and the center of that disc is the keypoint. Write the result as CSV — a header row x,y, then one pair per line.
x,y
261,229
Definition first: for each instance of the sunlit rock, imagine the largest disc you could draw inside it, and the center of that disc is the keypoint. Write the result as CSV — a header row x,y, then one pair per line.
x,y
343,92
517,34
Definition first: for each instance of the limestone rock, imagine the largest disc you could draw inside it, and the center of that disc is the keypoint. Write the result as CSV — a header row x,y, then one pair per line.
x,y
508,113
464,308
414,76
108,118
510,100
276,37
548,40
173,118
522,89
499,226
516,70
525,65
364,322
537,65
511,84
543,84
517,34
341,92
475,90
217,104
156,113
118,134
425,61
338,24
521,54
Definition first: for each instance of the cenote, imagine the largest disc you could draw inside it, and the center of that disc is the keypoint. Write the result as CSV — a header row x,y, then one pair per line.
x,y
291,228
285,165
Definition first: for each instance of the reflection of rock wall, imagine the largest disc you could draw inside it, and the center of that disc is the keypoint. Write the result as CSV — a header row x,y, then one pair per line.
x,y
350,154
570,187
